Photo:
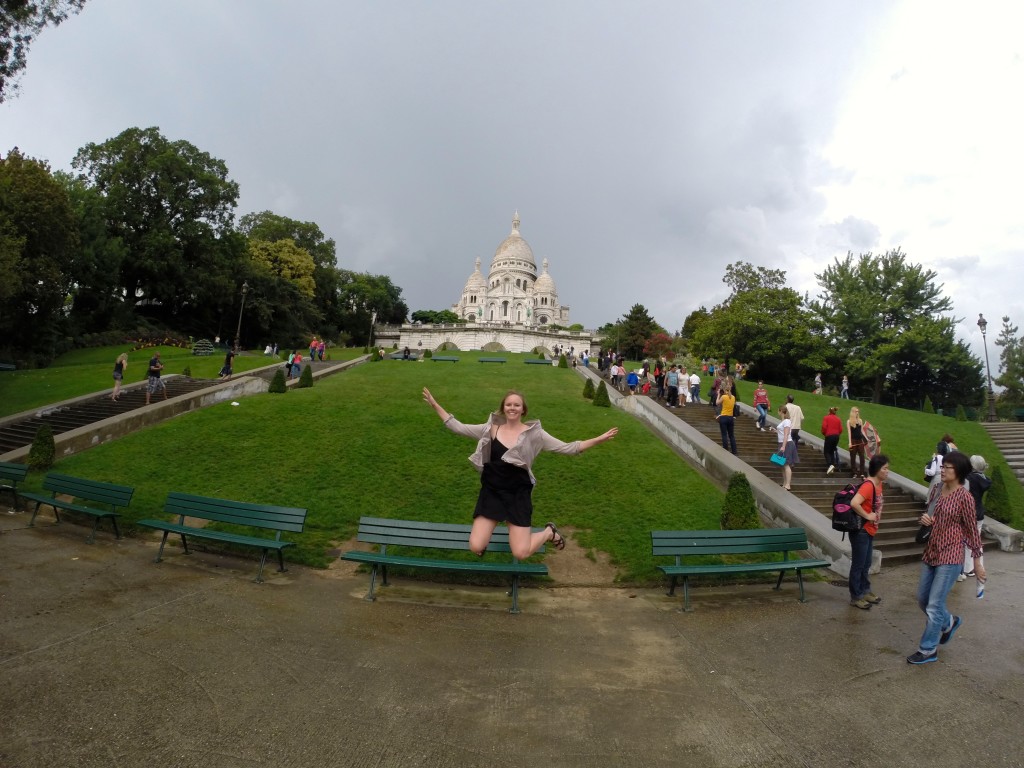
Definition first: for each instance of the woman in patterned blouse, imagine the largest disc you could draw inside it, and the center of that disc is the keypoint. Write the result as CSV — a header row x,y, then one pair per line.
x,y
953,525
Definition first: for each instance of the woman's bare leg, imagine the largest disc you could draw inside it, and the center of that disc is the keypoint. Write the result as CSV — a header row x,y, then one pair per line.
x,y
480,535
524,542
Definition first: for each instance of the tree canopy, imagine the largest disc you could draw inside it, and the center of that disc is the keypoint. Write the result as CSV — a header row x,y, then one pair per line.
x,y
21,21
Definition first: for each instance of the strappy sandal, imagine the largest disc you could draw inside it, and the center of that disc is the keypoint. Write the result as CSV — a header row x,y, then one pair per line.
x,y
557,539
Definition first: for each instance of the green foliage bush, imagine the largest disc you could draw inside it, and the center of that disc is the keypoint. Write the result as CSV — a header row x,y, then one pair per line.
x,y
277,385
377,356
305,378
601,396
739,510
997,500
43,450
562,362
928,407
588,390
961,414
187,371
427,353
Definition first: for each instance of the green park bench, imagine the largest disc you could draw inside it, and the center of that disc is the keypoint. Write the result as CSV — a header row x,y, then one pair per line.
x,y
680,544
444,359
493,360
240,513
412,533
116,496
536,361
1018,414
8,367
12,474
401,356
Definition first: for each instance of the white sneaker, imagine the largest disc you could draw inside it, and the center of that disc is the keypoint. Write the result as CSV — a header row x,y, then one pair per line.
x,y
831,469
962,577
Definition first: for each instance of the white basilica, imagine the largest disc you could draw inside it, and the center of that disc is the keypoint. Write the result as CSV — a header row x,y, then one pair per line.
x,y
512,293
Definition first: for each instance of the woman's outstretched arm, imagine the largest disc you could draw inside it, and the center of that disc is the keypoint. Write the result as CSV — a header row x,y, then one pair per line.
x,y
585,444
429,400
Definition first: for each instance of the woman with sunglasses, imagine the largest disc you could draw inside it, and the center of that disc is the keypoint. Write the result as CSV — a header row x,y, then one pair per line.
x,y
954,525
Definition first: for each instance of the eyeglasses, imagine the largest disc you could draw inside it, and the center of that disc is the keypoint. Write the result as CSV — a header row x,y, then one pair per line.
x,y
947,466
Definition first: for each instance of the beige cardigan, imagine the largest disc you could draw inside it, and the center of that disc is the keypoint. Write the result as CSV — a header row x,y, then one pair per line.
x,y
527,448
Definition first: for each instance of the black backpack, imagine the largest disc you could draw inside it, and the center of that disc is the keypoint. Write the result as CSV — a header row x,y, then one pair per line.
x,y
845,517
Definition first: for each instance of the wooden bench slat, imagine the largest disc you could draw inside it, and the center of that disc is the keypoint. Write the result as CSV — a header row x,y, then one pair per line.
x,y
447,565
81,489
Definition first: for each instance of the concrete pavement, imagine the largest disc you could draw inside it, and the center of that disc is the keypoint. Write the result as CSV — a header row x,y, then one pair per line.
x,y
107,659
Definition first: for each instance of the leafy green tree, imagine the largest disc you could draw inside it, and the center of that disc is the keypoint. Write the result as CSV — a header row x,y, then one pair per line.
x,y
693,321
635,328
875,310
431,316
38,240
361,295
1011,363
769,327
172,206
742,276
21,21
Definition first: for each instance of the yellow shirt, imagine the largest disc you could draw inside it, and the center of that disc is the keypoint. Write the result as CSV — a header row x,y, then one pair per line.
x,y
727,404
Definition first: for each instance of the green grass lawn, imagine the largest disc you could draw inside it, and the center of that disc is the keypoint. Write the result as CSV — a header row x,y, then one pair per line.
x,y
84,371
365,443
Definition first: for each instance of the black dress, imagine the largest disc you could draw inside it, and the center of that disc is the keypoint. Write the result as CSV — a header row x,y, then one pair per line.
x,y
504,490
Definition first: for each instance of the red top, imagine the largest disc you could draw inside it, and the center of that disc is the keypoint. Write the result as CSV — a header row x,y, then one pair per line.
x,y
867,491
831,425
955,525
760,396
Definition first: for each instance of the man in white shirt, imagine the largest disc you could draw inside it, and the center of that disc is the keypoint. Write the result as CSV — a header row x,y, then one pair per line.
x,y
695,387
796,415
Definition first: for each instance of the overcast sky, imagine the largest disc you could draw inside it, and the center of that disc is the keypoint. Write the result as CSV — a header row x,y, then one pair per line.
x,y
646,145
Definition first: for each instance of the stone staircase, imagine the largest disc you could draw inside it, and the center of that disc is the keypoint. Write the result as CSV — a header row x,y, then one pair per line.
x,y
1009,438
895,538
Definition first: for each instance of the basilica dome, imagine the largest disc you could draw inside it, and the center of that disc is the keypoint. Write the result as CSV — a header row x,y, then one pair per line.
x,y
514,252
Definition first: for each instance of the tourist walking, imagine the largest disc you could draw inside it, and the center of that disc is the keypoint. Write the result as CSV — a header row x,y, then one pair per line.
x,y
120,365
762,405
796,415
855,442
725,411
867,503
504,456
694,383
817,383
831,429
844,390
672,380
787,448
954,525
977,484
154,382
228,368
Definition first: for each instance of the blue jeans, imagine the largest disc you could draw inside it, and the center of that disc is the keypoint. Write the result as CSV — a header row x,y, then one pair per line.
x,y
695,393
936,581
762,415
861,544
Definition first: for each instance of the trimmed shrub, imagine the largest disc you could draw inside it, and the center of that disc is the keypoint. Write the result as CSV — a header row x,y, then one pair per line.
x,y
43,450
601,396
961,414
928,407
277,385
588,390
540,355
562,362
997,500
187,371
427,353
739,510
305,378
377,356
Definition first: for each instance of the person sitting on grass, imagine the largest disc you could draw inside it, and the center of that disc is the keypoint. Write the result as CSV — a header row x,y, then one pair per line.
x,y
505,452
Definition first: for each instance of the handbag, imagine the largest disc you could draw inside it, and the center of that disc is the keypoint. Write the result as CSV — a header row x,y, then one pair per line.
x,y
779,459
923,534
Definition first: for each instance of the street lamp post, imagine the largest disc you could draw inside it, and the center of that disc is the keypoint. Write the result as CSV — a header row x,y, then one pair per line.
x,y
983,325
373,320
238,331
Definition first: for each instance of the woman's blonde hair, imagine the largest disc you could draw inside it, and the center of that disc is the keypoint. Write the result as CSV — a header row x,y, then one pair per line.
x,y
122,358
854,413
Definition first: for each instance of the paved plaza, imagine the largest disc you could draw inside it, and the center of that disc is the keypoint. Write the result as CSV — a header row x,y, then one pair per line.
x,y
107,659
